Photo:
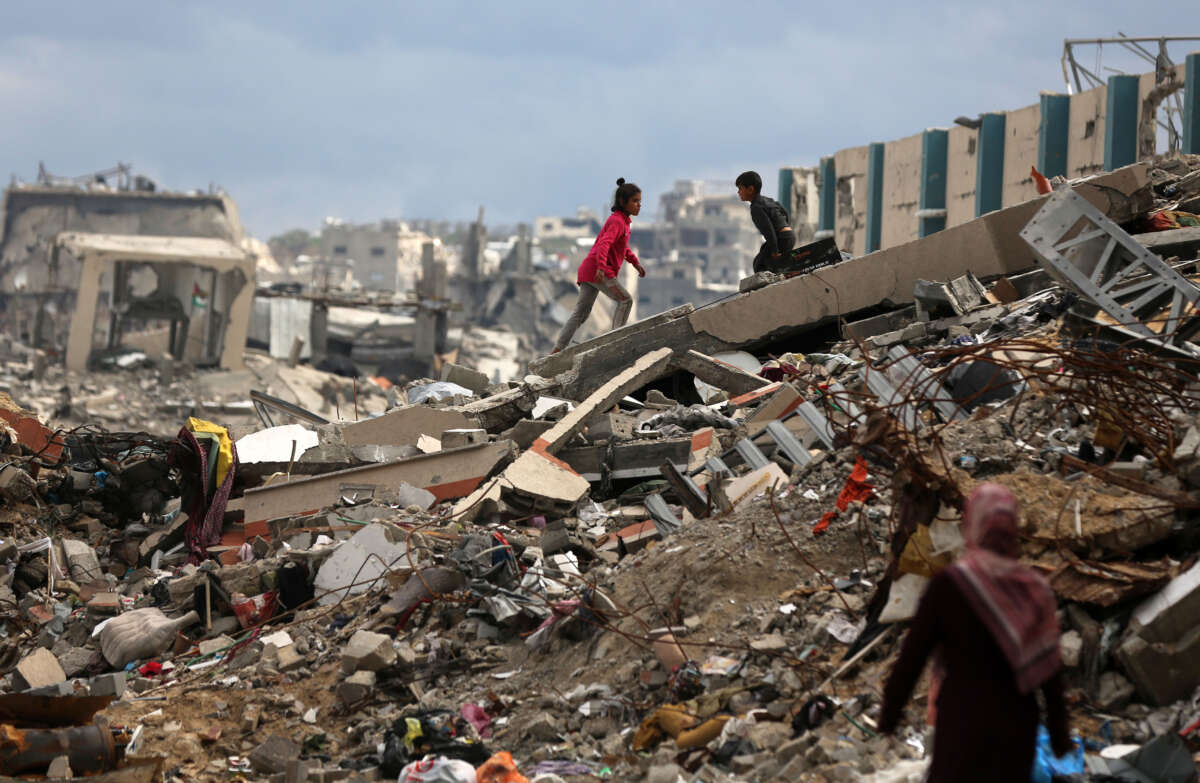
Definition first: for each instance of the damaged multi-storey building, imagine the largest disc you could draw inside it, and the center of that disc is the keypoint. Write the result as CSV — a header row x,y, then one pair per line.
x,y
84,264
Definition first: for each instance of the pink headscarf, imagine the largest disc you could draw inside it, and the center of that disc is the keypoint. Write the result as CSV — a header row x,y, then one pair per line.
x,y
1013,601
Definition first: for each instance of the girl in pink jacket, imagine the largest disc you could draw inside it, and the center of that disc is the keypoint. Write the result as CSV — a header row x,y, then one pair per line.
x,y
598,271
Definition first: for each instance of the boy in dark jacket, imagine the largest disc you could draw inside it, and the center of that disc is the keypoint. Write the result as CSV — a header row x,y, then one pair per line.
x,y
769,217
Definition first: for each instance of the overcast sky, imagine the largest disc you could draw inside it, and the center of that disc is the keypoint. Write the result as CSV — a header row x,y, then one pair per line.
x,y
403,109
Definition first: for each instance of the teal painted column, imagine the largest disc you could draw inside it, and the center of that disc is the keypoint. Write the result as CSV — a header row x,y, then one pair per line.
x,y
828,206
785,190
932,215
1121,122
1053,135
874,196
1191,105
989,164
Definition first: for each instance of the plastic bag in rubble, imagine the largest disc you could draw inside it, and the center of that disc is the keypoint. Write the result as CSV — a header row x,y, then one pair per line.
x,y
438,390
690,418
500,768
1047,766
437,770
592,513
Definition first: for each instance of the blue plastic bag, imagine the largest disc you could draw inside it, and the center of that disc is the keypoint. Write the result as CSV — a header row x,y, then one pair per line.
x,y
1046,765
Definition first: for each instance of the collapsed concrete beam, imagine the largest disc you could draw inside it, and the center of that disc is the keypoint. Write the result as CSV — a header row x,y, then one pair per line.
x,y
503,410
403,426
563,360
1181,242
539,474
717,373
644,370
449,474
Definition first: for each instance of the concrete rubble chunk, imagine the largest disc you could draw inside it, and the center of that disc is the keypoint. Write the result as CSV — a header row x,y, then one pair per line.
x,y
37,670
272,756
356,687
368,651
353,566
403,426
465,377
1163,641
112,684
82,560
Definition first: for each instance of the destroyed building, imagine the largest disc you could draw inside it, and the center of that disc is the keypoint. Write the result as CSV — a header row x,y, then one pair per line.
x,y
84,265
383,256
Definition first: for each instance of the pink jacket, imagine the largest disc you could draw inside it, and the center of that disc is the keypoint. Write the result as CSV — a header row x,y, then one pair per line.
x,y
610,250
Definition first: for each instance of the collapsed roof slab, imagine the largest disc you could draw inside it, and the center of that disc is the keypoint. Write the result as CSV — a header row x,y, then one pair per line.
x,y
989,245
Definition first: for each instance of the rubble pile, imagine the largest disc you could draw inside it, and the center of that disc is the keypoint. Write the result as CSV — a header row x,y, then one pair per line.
x,y
684,570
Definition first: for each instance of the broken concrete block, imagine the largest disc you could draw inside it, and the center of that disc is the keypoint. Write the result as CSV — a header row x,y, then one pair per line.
x,y
37,670
60,769
526,431
288,658
457,438
543,476
356,687
758,280
720,374
403,426
778,405
82,560
105,603
210,646
76,660
773,642
369,651
367,554
465,377
1163,641
447,474
542,727
408,495
1189,448
112,684
1070,647
272,756
755,483
607,426
1115,691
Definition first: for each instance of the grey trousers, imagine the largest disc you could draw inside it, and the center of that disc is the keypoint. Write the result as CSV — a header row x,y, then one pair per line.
x,y
583,308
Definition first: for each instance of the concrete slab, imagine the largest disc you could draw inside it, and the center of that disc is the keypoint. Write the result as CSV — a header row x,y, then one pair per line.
x,y
780,404
357,563
39,669
448,474
755,483
465,377
717,373
404,426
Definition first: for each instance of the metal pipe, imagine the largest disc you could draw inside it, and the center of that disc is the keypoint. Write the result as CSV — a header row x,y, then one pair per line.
x,y
89,749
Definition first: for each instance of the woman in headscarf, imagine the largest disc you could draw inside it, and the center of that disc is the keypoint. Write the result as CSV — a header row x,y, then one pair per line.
x,y
992,624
